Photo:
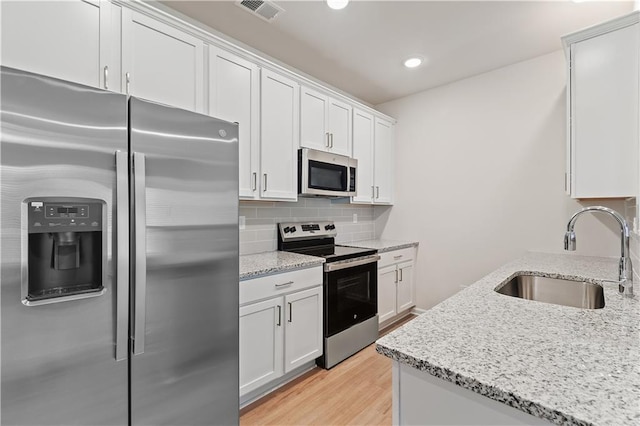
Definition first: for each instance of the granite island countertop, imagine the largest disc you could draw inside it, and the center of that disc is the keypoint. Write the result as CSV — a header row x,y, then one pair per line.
x,y
273,262
568,365
382,245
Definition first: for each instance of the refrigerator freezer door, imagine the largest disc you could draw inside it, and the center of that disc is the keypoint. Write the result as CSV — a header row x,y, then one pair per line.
x,y
59,359
185,368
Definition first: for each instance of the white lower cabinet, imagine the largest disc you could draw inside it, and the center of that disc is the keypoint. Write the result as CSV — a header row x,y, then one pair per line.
x,y
280,325
396,286
261,335
303,328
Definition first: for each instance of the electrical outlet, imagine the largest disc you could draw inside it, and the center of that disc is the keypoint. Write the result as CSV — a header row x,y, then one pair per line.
x,y
355,218
242,222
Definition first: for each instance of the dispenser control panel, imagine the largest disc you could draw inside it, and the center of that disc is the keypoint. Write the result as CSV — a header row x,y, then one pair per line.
x,y
56,216
63,211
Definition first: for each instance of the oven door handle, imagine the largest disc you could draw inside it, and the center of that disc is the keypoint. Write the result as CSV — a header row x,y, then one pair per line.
x,y
330,267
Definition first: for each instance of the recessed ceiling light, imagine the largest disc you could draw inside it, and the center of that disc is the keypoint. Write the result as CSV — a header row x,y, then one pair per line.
x,y
413,62
337,4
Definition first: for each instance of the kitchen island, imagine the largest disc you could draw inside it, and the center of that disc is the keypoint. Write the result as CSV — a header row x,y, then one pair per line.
x,y
565,365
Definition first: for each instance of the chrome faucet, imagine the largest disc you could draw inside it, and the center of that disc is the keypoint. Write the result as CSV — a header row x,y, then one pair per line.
x,y
625,274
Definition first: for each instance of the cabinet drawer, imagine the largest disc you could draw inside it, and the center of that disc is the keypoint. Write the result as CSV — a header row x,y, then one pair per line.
x,y
396,256
279,284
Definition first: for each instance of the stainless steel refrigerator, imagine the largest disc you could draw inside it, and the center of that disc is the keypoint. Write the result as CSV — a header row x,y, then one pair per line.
x,y
119,280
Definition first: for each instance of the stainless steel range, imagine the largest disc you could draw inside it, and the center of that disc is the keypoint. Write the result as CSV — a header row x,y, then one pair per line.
x,y
350,295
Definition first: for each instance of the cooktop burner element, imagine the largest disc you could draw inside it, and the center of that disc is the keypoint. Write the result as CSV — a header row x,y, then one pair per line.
x,y
316,239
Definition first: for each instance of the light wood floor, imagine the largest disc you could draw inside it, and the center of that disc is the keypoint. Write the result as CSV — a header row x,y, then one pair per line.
x,y
355,392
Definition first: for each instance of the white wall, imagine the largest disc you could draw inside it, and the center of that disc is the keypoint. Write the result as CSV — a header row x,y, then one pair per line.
x,y
480,176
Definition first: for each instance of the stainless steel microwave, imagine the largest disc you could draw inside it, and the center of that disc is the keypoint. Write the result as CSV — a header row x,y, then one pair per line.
x,y
325,174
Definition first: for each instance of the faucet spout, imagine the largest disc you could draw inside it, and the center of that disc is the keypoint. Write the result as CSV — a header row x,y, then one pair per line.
x,y
625,274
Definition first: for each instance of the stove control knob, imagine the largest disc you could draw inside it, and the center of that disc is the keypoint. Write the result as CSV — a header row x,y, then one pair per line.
x,y
327,227
286,229
292,229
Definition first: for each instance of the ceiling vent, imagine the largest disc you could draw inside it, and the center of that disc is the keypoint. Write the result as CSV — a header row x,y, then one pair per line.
x,y
266,10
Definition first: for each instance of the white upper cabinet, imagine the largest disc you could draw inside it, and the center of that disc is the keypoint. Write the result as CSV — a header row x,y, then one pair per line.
x,y
279,137
234,95
603,109
314,128
373,140
340,126
383,161
325,123
363,152
161,63
69,40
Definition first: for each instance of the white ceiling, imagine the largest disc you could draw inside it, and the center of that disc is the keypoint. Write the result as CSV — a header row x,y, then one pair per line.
x,y
360,49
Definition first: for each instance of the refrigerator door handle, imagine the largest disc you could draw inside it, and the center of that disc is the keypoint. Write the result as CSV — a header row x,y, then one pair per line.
x,y
122,265
140,283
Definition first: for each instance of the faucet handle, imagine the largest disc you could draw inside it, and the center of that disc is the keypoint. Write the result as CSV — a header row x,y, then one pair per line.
x,y
625,286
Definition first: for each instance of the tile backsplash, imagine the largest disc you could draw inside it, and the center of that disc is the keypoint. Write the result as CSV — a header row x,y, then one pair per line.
x,y
261,219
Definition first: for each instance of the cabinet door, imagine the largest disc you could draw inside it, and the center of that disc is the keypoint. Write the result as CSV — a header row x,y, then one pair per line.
x,y
303,335
383,158
340,127
313,120
604,114
279,136
387,279
261,340
363,152
234,96
161,63
406,287
63,39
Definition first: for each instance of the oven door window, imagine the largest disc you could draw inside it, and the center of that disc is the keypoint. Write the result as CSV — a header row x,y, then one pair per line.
x,y
330,177
351,296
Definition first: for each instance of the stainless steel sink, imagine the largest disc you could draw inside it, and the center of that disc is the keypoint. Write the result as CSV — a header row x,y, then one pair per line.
x,y
578,294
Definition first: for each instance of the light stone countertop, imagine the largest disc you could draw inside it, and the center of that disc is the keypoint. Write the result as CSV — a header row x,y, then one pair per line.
x,y
568,365
255,265
382,245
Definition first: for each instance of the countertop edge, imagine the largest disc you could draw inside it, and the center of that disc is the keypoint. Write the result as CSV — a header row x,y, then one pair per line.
x,y
383,246
474,385
280,269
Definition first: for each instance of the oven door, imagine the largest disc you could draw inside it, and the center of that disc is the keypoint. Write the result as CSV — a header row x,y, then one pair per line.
x,y
350,293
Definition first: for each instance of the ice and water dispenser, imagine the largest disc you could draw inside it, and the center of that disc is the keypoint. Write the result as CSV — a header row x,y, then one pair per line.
x,y
66,249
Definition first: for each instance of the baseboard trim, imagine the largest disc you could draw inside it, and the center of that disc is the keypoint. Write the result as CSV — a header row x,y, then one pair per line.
x,y
418,311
